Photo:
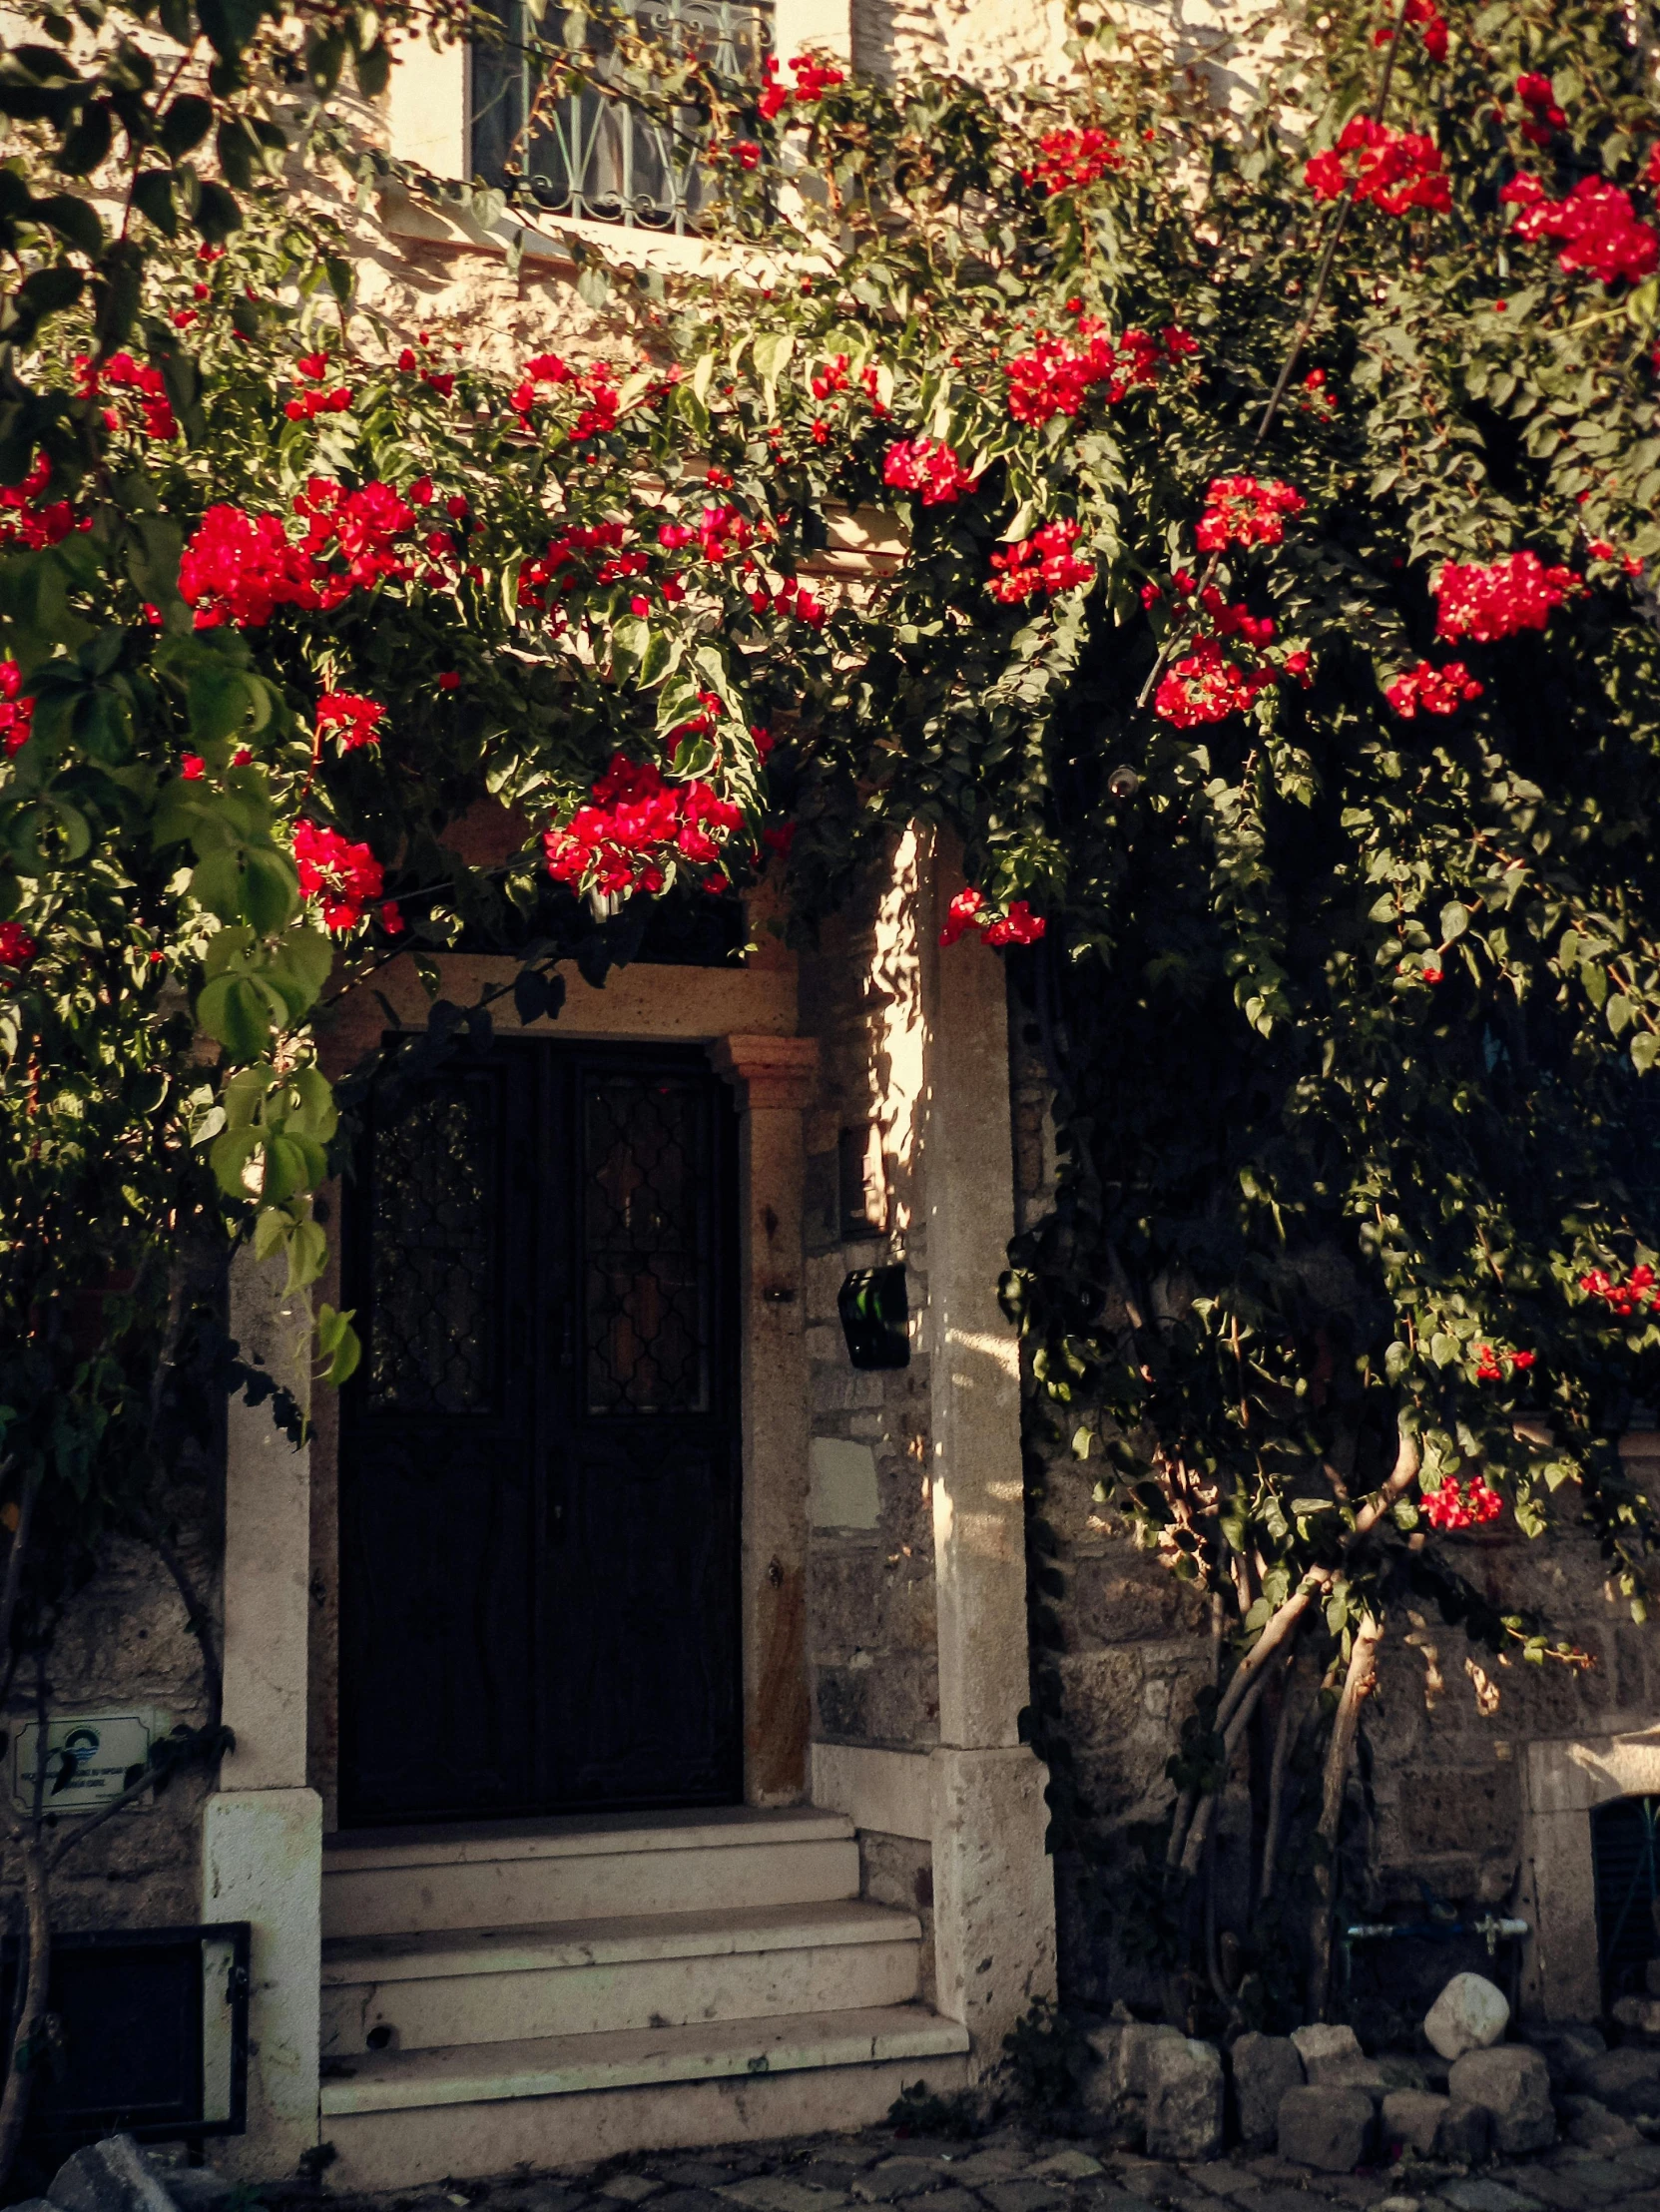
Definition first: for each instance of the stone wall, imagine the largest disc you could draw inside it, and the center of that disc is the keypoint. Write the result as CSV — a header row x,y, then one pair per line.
x,y
1442,1811
871,1610
122,1644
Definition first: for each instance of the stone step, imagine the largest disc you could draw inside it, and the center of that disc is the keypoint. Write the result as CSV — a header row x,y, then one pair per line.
x,y
595,1978
404,2119
534,1873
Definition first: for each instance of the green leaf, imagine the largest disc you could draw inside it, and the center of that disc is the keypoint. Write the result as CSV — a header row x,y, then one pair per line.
x,y
307,1255
338,1344
185,124
236,1014
1454,921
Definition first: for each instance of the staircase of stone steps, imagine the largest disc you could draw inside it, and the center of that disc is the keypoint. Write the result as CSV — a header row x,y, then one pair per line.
x,y
555,1990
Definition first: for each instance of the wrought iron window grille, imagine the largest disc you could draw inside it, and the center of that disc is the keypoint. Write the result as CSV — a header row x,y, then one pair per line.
x,y
593,155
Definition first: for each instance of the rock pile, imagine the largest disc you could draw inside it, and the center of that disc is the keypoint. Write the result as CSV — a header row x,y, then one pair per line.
x,y
1317,2100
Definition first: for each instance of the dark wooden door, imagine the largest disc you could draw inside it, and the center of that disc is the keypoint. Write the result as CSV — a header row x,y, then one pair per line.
x,y
539,1460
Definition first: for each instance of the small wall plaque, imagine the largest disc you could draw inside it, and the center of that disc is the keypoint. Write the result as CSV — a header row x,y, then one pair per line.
x,y
89,1757
876,1317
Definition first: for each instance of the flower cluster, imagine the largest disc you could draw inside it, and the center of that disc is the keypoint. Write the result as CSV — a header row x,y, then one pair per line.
x,y
1056,376
352,716
1430,689
1246,510
17,947
638,827
1599,229
346,878
239,568
442,382
813,81
595,383
1499,599
1017,924
24,520
1496,1366
1068,159
1545,118
1452,1506
1204,685
310,370
1398,171
836,376
15,711
1044,562
926,466
122,374
1638,1290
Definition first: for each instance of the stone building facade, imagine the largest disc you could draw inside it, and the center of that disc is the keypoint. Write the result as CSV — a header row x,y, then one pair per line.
x,y
874,1902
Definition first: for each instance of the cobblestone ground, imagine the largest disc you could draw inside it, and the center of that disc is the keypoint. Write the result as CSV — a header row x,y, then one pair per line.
x,y
1016,2169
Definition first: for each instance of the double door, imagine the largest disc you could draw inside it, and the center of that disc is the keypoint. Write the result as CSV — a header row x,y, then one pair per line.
x,y
539,1462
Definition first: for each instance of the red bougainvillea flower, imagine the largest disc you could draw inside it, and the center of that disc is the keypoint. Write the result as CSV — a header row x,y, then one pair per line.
x,y
1623,1298
1430,689
1205,685
968,911
746,152
638,827
391,918
1398,171
1055,375
121,373
926,466
192,768
813,81
1599,229
1545,118
1498,599
1494,1365
1428,20
16,711
17,947
1068,159
1453,1506
346,878
1044,562
352,716
1246,510
24,520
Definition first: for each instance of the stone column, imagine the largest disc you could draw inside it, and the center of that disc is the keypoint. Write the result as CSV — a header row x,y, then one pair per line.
x,y
774,1078
994,1899
261,1858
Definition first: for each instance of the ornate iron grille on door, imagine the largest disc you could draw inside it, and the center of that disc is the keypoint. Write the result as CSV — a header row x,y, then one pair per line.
x,y
539,1457
593,155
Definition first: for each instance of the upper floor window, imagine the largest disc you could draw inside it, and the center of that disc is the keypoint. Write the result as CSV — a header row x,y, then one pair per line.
x,y
593,155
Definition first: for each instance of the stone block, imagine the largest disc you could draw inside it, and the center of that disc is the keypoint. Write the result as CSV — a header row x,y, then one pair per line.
x,y
1328,2129
1321,2047
1123,2049
1412,2120
109,2176
1626,2080
1483,2195
1264,2067
1469,2015
1465,2133
1364,2074
1638,2015
896,2178
1184,2099
1564,2048
1594,2127
1513,2082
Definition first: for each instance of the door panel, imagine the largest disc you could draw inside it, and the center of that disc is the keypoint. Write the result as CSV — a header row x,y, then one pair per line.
x,y
539,1457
